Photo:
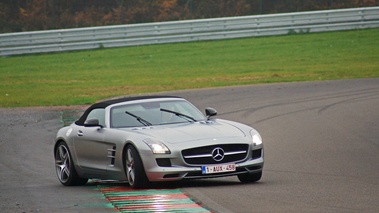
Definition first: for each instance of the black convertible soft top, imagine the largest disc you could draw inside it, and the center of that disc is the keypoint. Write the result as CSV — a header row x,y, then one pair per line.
x,y
104,104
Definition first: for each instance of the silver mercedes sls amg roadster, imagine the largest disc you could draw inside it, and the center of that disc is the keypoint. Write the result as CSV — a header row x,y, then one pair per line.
x,y
155,138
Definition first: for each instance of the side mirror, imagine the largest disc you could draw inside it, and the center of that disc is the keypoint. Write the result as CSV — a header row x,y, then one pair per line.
x,y
209,112
92,123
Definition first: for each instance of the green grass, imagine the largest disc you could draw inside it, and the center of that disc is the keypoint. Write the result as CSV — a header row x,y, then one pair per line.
x,y
84,77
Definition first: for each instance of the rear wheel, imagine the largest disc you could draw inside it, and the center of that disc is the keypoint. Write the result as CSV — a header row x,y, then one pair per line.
x,y
65,168
134,170
250,177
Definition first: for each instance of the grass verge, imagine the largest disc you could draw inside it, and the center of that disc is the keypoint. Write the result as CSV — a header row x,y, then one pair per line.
x,y
84,77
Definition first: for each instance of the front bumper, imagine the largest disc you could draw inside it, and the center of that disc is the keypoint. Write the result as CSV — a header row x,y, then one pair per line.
x,y
175,173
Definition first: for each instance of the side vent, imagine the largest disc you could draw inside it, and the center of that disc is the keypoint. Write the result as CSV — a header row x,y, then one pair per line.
x,y
112,155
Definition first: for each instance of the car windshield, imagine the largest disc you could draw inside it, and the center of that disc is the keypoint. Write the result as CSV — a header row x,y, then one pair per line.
x,y
154,113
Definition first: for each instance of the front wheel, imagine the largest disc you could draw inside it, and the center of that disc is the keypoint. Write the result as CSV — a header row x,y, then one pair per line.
x,y
250,177
134,170
65,168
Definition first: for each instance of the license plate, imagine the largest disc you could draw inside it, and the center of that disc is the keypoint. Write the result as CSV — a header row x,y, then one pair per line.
x,y
218,168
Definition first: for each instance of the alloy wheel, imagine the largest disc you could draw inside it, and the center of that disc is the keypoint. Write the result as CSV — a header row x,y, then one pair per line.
x,y
130,167
63,163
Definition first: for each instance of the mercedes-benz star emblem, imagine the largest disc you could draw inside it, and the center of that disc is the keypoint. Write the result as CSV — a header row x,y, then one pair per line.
x,y
218,154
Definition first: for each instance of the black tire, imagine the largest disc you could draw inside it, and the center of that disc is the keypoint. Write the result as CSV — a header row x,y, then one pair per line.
x,y
134,170
65,168
250,177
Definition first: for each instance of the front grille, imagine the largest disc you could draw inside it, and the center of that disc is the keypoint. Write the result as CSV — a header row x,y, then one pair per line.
x,y
203,155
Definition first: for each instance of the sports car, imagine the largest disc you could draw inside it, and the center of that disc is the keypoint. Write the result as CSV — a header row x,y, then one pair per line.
x,y
146,139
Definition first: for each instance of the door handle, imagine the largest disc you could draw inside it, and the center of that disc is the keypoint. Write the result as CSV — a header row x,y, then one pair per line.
x,y
80,133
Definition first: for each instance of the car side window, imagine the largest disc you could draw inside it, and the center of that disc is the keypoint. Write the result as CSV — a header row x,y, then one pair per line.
x,y
97,114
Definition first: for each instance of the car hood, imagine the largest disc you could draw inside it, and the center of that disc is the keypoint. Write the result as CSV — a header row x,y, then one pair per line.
x,y
192,131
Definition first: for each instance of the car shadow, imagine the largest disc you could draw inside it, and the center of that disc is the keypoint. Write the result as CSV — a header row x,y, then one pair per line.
x,y
172,184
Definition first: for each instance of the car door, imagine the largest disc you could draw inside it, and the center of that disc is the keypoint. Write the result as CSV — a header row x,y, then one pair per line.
x,y
90,148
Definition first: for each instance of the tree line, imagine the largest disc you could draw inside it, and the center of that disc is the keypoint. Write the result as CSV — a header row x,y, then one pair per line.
x,y
32,15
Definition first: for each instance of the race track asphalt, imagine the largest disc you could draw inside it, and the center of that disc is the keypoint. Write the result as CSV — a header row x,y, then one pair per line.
x,y
321,152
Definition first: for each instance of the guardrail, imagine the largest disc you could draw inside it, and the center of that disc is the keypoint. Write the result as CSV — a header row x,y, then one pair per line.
x,y
186,31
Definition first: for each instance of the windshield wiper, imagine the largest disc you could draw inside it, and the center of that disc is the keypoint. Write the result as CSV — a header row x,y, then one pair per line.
x,y
179,114
141,120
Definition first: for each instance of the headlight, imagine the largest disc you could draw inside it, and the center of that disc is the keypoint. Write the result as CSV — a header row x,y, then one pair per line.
x,y
157,147
256,138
